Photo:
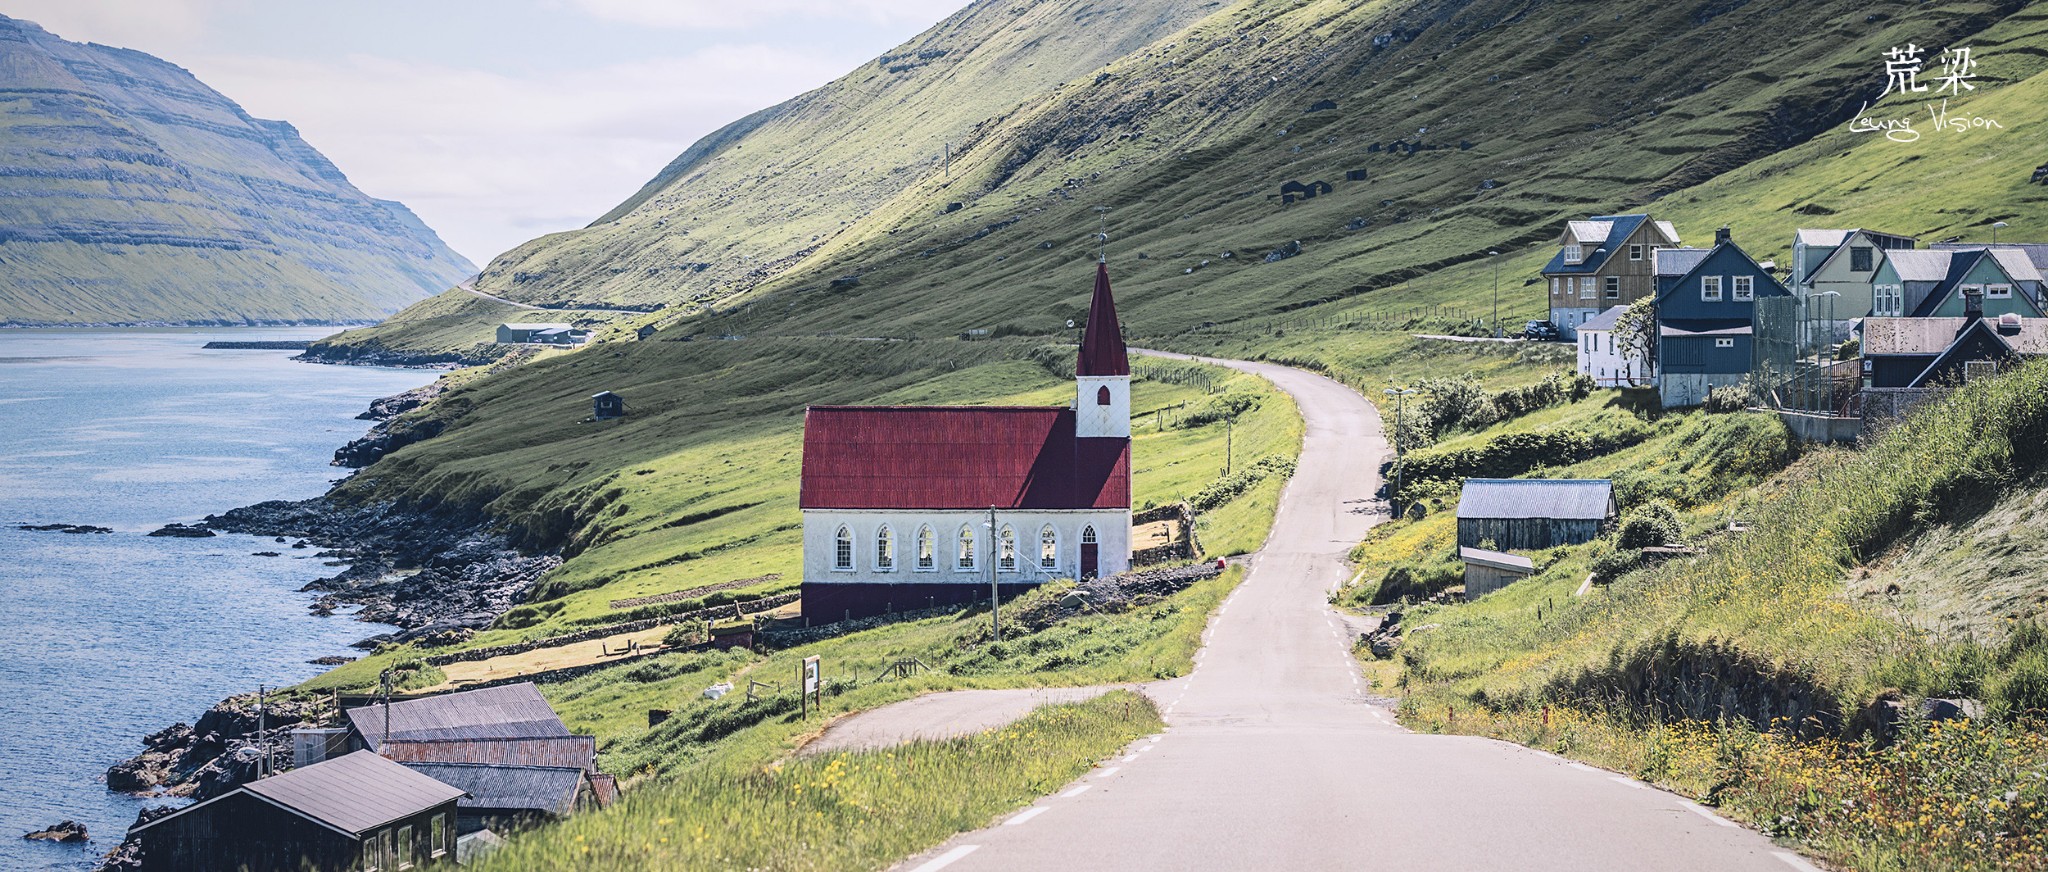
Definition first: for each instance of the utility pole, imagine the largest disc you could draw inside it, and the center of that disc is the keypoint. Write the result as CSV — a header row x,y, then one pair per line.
x,y
1496,292
995,596
1229,425
1400,396
384,681
949,161
262,721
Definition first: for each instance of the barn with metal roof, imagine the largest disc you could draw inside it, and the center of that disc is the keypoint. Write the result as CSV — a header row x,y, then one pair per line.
x,y
1525,514
354,811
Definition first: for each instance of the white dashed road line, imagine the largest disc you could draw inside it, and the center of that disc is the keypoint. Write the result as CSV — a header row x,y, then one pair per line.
x,y
1619,779
1025,816
1076,791
947,859
1108,772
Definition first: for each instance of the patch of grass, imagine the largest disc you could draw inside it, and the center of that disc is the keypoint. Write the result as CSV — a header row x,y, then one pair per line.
x,y
845,810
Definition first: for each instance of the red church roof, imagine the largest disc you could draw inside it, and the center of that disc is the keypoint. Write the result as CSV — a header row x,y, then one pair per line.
x,y
959,457
1102,346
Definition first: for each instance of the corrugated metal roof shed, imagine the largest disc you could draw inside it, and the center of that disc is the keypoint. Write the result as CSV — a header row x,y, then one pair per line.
x,y
1575,499
958,457
574,751
514,711
1821,238
354,793
1894,336
549,789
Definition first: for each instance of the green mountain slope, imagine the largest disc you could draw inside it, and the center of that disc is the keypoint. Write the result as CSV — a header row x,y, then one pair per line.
x,y
131,192
1479,125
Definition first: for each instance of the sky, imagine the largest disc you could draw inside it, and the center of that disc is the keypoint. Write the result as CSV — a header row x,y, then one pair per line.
x,y
500,120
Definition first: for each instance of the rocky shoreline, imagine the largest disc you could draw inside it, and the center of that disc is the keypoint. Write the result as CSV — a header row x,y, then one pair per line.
x,y
436,573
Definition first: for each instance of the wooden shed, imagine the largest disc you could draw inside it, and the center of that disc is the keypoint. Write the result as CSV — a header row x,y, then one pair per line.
x,y
605,404
1489,571
1527,514
360,811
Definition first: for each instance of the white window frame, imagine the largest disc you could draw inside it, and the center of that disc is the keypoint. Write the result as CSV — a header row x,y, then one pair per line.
x,y
1976,369
1574,254
1006,550
1724,342
1710,289
1887,300
842,549
1635,251
1553,286
885,549
1998,292
965,559
1745,289
1613,287
1589,288
927,549
1048,548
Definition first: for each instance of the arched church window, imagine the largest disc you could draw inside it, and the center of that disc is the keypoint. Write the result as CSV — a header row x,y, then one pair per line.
x,y
1102,395
927,550
1088,535
842,549
885,549
965,559
1048,548
1006,556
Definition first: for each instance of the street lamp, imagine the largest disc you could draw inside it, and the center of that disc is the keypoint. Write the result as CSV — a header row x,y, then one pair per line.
x,y
1400,396
1995,227
1496,292
995,594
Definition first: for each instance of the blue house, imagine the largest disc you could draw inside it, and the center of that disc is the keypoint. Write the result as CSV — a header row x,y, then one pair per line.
x,y
1706,318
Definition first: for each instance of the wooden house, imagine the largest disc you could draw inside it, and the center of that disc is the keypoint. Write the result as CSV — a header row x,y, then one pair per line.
x,y
605,405
513,711
1602,262
2005,281
1845,262
358,813
540,334
644,332
1489,571
1929,352
1706,319
1527,514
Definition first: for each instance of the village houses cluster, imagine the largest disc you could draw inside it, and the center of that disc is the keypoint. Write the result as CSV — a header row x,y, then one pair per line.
x,y
1873,311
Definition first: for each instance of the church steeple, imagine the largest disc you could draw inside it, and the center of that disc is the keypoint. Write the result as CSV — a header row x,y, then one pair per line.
x,y
1102,374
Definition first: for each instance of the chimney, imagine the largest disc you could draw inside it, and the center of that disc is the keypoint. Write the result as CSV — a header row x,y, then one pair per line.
x,y
1722,236
1973,304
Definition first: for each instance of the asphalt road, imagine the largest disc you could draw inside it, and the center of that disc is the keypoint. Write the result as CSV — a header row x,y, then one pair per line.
x,y
1274,758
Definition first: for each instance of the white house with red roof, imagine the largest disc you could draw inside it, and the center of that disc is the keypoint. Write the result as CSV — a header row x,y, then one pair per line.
x,y
897,500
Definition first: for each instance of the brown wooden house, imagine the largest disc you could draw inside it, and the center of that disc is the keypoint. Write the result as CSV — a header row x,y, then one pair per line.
x,y
1602,262
1528,514
357,813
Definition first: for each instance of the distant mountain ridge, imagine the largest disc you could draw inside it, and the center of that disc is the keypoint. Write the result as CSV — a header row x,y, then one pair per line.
x,y
130,192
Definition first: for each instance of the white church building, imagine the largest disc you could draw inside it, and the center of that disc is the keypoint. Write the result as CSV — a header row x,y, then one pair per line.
x,y
898,500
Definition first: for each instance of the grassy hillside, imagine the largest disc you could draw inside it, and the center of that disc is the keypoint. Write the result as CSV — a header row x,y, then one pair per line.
x,y
132,192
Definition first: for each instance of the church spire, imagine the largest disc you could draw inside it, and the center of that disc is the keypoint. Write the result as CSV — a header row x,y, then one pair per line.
x,y
1102,346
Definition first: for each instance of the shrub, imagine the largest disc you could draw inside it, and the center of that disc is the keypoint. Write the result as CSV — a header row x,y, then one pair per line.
x,y
1417,581
1651,524
1221,407
1234,485
1723,400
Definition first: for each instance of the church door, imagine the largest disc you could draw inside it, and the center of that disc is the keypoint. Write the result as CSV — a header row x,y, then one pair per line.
x,y
1090,552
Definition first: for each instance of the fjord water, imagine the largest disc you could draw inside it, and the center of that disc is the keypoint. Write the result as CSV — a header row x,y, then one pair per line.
x,y
107,637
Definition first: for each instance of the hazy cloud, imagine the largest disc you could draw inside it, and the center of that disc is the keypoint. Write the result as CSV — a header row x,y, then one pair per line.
x,y
728,14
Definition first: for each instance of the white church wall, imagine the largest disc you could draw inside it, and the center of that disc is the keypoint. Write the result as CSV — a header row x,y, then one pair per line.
x,y
821,528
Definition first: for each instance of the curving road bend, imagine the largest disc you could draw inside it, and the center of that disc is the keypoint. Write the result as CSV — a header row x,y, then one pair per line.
x,y
1274,759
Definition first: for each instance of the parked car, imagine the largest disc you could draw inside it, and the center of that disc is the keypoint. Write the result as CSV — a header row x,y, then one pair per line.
x,y
1541,331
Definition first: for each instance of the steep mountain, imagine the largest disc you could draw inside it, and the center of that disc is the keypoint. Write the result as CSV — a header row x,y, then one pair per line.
x,y
1444,128
132,192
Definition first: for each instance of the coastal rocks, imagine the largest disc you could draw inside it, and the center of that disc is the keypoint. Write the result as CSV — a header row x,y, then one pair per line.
x,y
383,439
183,531
405,567
197,760
386,408
63,528
331,660
68,831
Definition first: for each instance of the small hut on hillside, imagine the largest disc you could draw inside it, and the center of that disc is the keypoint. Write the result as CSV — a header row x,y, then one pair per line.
x,y
1527,514
605,404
